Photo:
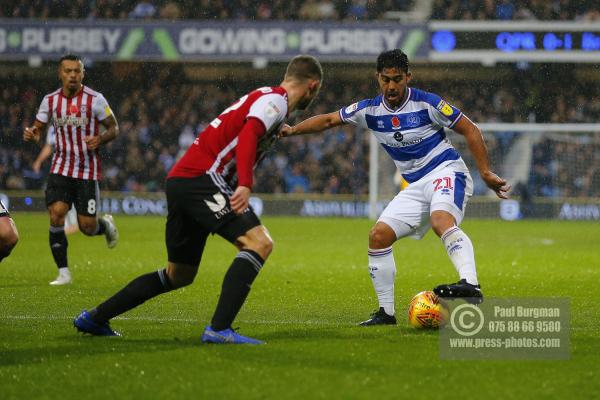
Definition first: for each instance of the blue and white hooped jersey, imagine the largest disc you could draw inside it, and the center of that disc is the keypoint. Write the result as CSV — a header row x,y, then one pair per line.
x,y
413,134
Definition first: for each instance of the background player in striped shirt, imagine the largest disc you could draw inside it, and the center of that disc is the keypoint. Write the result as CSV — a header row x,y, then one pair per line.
x,y
78,115
201,201
46,151
409,124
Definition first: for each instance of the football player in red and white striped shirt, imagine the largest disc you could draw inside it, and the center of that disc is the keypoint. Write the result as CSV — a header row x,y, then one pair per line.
x,y
83,121
202,201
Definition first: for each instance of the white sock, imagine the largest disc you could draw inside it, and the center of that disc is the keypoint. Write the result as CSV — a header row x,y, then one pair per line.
x,y
382,269
460,250
64,271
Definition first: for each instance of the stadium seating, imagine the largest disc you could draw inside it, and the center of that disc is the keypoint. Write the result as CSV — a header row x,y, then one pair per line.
x,y
158,121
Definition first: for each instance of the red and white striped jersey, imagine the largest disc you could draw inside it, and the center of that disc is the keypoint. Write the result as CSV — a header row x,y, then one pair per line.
x,y
75,118
214,150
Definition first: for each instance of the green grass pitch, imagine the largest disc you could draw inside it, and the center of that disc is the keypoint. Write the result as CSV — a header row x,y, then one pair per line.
x,y
305,304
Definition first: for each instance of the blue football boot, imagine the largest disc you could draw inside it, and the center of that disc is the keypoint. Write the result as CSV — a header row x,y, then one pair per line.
x,y
226,336
85,324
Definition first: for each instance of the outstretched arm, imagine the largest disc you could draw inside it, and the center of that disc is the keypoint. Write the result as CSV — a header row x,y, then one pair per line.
x,y
318,123
472,134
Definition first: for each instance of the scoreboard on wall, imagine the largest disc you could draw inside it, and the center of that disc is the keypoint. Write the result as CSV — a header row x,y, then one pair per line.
x,y
490,42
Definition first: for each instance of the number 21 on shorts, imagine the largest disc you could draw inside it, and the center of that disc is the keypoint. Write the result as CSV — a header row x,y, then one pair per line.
x,y
443,183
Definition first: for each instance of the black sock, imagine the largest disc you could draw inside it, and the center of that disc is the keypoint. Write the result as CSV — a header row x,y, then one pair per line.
x,y
58,245
101,227
139,290
235,289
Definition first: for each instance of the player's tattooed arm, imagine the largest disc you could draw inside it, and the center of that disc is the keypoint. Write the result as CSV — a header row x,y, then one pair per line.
x,y
318,123
112,131
476,144
34,133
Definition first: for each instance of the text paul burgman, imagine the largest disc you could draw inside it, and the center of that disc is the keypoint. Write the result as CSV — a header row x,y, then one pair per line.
x,y
526,312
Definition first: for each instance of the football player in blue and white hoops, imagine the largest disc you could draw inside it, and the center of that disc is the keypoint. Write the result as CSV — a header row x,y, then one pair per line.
x,y
409,124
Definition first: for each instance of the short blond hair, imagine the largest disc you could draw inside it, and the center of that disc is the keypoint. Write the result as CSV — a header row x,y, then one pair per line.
x,y
304,67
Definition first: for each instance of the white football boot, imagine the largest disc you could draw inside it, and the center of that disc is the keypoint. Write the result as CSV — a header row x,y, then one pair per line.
x,y
111,233
63,278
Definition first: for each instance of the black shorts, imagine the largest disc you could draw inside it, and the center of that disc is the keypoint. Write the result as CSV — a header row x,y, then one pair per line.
x,y
83,193
198,207
3,211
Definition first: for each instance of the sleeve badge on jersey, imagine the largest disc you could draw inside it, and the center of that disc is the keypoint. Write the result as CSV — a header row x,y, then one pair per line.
x,y
272,110
351,108
445,108
107,111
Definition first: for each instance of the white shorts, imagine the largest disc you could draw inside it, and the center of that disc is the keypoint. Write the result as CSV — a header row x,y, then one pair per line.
x,y
3,210
446,189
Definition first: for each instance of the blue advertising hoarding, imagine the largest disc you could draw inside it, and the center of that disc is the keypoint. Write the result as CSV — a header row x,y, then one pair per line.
x,y
207,40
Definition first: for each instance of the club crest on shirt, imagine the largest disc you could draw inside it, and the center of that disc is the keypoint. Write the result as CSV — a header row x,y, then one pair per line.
x,y
413,120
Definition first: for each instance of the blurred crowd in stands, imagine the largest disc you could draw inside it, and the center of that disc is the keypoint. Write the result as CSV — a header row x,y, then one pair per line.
x,y
205,9
566,165
342,10
559,10
161,112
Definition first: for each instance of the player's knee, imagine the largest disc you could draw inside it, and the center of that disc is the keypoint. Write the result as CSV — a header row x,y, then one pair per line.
x,y
180,277
88,228
179,281
441,221
57,220
375,238
380,237
263,245
12,240
57,212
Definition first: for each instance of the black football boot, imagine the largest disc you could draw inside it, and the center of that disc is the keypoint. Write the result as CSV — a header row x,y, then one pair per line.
x,y
379,317
459,290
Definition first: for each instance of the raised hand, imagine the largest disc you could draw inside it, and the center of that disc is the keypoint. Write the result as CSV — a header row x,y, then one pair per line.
x,y
31,134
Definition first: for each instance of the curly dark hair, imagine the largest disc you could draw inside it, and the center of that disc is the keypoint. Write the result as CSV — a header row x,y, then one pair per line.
x,y
392,59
